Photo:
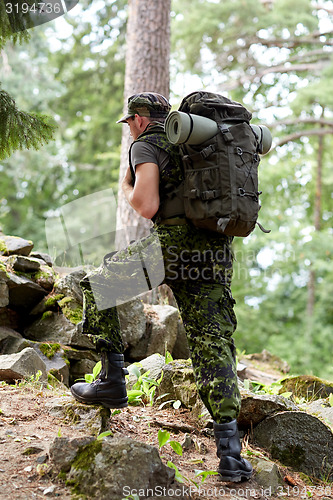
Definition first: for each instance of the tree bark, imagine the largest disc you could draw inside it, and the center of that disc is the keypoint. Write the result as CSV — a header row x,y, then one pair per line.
x,y
317,224
147,69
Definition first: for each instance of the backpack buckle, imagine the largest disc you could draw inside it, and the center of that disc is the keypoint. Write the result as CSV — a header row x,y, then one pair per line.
x,y
241,192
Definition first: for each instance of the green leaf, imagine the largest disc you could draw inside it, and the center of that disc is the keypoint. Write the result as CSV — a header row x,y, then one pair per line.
x,y
96,370
178,476
104,434
163,437
89,378
168,357
177,447
330,400
134,369
205,473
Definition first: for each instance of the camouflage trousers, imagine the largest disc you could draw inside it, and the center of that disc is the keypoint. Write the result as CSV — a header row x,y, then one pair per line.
x,y
197,266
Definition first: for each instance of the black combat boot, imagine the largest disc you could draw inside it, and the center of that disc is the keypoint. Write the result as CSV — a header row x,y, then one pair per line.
x,y
109,389
232,467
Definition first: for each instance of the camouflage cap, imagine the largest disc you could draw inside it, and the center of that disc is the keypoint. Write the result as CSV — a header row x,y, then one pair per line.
x,y
148,104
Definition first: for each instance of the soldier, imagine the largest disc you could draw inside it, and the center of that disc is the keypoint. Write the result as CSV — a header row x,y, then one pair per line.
x,y
197,268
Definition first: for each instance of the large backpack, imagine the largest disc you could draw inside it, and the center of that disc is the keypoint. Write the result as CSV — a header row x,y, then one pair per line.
x,y
221,174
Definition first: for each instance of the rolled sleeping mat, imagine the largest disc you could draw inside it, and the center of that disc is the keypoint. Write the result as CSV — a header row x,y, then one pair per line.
x,y
185,128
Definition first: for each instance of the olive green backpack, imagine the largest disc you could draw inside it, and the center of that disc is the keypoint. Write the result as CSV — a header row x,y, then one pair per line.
x,y
221,174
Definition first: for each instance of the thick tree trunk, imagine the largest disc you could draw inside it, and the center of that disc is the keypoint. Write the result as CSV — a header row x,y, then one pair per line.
x,y
317,223
147,69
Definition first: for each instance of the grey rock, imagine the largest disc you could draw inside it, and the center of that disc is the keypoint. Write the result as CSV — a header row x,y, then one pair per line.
x,y
80,368
16,245
69,285
11,341
23,264
63,451
256,407
91,419
43,256
45,277
321,409
181,349
179,384
9,318
161,332
267,475
109,469
57,365
153,364
4,293
21,365
298,440
132,322
24,293
57,328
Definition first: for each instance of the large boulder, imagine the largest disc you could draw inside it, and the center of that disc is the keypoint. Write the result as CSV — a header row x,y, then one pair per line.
x,y
161,332
89,418
24,293
54,327
10,245
307,386
21,365
256,407
298,440
108,469
132,322
11,341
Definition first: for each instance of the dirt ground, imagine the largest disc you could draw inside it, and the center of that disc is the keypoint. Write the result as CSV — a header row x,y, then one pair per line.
x,y
27,430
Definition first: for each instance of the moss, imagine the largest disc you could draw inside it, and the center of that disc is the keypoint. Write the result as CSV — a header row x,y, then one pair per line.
x,y
292,456
71,310
83,462
86,455
49,350
3,247
70,416
51,301
307,386
47,314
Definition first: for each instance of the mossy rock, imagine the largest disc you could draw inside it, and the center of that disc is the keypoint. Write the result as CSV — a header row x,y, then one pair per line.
x,y
71,309
307,386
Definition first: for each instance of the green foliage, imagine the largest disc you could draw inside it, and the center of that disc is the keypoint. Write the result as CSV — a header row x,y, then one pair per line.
x,y
164,439
143,391
90,377
20,130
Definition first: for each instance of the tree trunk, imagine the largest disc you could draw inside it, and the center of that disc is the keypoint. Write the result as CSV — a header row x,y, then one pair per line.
x,y
147,69
317,223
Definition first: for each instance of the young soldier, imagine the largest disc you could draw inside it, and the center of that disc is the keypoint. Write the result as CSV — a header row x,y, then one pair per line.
x,y
198,269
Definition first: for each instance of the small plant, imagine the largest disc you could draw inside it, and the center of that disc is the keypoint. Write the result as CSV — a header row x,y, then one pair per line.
x,y
103,435
90,377
260,388
164,438
205,473
33,380
143,391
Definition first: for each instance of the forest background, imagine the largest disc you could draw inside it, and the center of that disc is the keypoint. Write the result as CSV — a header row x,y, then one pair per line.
x,y
274,57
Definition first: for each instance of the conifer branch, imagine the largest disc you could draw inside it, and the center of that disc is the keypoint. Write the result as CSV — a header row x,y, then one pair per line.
x,y
20,130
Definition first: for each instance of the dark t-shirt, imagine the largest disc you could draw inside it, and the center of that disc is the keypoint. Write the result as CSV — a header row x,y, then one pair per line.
x,y
144,152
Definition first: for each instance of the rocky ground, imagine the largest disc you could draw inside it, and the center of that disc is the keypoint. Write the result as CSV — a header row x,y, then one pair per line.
x,y
28,428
